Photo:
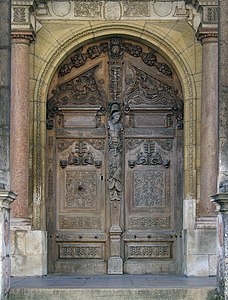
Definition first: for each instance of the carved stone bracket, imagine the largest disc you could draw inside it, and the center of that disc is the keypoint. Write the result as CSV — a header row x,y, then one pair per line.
x,y
148,156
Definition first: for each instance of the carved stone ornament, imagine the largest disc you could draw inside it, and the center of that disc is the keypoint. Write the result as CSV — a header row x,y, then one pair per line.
x,y
148,155
82,90
115,49
80,156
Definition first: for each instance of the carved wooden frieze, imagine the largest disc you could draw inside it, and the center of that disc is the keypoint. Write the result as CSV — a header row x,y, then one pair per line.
x,y
80,251
148,251
149,222
115,48
67,222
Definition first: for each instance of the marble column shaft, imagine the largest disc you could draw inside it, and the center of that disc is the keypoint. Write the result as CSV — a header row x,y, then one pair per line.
x,y
209,125
19,152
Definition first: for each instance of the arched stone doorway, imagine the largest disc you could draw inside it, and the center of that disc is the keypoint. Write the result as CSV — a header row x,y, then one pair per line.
x,y
114,162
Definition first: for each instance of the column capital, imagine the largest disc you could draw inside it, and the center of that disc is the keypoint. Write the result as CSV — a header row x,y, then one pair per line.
x,y
6,198
207,34
221,201
24,36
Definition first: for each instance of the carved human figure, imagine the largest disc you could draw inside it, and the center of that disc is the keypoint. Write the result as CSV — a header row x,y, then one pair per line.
x,y
115,126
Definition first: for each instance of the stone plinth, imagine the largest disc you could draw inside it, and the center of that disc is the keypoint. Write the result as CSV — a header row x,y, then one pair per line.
x,y
221,200
6,198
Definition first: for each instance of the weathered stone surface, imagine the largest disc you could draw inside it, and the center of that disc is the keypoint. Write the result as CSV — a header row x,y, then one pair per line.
x,y
6,198
4,93
113,294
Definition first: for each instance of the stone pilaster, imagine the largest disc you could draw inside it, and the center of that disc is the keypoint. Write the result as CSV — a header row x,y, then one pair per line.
x,y
209,121
5,52
6,198
22,35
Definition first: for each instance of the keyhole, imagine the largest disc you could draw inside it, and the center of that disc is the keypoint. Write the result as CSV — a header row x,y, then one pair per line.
x,y
80,188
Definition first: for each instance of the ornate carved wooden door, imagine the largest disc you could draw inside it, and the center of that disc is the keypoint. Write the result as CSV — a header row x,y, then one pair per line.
x,y
114,162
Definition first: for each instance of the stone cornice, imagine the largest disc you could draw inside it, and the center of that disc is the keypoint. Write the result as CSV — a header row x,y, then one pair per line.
x,y
207,34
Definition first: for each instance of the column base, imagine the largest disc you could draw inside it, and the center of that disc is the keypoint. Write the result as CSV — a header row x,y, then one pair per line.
x,y
115,266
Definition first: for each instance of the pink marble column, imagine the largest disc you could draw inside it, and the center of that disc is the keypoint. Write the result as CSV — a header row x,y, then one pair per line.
x,y
19,150
209,123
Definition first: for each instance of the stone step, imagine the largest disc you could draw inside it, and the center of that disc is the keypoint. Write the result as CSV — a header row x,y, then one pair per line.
x,y
113,287
112,294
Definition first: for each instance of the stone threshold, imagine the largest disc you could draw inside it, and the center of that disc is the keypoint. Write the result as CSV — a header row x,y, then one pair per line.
x,y
113,287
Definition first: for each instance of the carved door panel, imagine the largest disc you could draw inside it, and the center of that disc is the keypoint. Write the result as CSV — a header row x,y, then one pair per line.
x,y
114,162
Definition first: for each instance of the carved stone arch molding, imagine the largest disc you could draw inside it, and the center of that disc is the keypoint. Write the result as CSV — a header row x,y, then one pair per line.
x,y
57,56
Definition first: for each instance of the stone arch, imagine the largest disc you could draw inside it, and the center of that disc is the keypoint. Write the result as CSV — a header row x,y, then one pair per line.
x,y
55,56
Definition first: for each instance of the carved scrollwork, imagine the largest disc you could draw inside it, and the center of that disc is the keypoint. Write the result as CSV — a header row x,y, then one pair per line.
x,y
82,90
144,89
80,155
115,48
148,155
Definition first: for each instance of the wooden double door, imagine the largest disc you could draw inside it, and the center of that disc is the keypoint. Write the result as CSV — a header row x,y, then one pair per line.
x,y
114,162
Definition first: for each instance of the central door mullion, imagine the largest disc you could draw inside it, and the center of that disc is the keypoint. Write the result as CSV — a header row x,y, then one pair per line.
x,y
115,157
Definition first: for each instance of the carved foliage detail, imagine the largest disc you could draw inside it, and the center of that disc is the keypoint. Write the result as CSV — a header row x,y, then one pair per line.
x,y
81,155
148,155
115,49
79,223
80,251
149,189
136,8
87,9
83,89
19,15
145,89
81,189
149,251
